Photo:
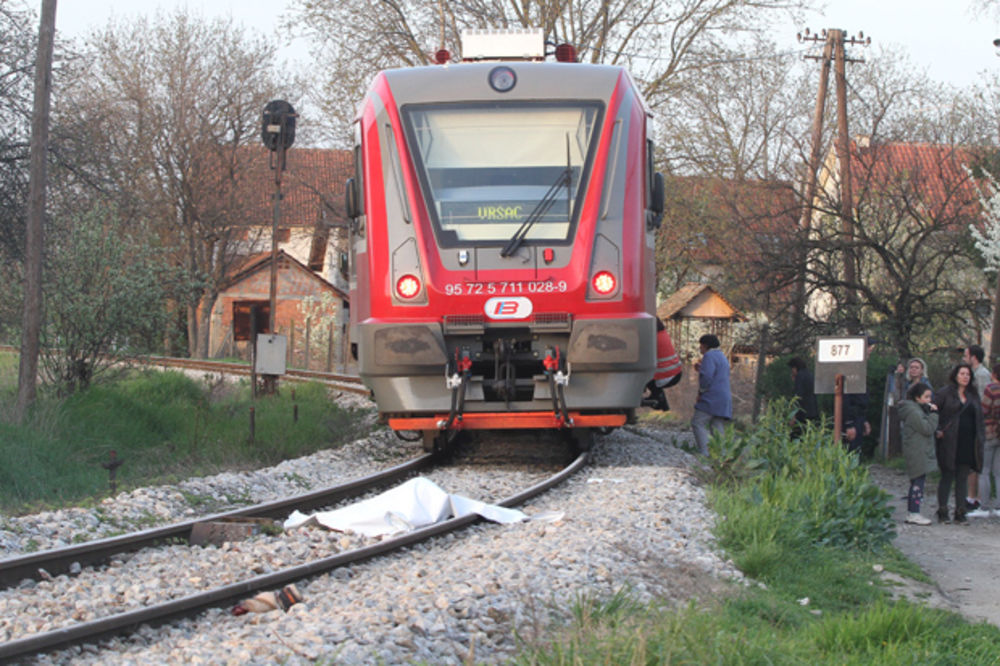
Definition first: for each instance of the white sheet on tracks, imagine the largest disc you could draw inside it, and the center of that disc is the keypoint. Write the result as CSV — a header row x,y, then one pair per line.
x,y
417,503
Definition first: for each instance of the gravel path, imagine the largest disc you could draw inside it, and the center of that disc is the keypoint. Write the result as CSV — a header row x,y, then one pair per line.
x,y
961,559
634,518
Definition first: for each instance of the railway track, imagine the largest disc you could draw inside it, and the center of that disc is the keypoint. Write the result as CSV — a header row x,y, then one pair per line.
x,y
192,605
59,561
348,383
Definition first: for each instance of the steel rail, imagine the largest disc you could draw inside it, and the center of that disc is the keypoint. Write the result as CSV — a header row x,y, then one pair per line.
x,y
346,382
194,604
58,561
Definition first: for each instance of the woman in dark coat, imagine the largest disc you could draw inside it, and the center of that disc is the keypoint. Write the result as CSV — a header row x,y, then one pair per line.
x,y
960,438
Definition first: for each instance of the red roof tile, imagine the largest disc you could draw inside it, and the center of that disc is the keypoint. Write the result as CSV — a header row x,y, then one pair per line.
x,y
934,174
312,186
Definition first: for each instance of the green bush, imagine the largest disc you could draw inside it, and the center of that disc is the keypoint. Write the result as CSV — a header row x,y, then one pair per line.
x,y
162,425
801,517
822,493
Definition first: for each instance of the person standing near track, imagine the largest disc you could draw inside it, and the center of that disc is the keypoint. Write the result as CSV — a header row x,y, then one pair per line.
x,y
974,355
714,408
920,421
991,449
960,438
668,370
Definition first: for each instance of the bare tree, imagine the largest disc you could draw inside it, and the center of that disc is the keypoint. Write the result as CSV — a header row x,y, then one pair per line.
x,y
169,105
658,40
744,118
910,246
18,39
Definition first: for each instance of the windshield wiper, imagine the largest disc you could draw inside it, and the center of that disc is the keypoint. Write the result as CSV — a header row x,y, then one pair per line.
x,y
542,207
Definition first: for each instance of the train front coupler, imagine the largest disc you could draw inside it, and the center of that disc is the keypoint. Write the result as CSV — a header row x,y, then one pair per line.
x,y
456,379
557,381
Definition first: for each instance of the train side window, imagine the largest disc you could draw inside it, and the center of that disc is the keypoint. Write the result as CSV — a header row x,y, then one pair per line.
x,y
650,170
359,179
655,196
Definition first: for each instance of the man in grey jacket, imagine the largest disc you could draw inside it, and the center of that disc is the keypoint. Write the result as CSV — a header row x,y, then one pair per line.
x,y
714,408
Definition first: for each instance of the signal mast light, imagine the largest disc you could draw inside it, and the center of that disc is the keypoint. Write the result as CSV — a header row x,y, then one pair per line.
x,y
408,286
566,53
604,283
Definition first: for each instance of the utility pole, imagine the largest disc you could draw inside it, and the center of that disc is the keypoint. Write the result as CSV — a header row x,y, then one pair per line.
x,y
32,315
805,223
835,48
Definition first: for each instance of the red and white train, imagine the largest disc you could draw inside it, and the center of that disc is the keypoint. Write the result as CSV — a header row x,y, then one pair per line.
x,y
502,247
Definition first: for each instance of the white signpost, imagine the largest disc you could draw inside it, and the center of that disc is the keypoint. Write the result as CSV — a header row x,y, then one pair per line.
x,y
840,369
841,356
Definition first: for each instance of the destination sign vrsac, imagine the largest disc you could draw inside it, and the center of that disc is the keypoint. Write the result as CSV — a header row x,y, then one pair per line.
x,y
508,211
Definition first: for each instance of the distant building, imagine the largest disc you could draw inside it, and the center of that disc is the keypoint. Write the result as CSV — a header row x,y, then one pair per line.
x,y
312,242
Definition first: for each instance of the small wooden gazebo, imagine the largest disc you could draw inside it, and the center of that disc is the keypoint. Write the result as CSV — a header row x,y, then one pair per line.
x,y
695,309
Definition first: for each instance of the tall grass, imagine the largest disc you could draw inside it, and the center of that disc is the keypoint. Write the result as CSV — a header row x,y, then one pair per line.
x,y
802,519
163,426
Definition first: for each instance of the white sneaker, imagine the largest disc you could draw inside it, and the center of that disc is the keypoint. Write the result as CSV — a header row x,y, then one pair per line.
x,y
978,513
917,519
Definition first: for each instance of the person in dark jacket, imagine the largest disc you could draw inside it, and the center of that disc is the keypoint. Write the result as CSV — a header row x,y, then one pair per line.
x,y
808,410
960,439
854,416
920,422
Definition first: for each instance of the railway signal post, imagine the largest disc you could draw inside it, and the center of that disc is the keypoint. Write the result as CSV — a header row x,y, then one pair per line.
x,y
278,135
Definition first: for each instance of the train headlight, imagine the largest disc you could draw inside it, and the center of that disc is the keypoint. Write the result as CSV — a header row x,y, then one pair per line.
x,y
604,283
408,286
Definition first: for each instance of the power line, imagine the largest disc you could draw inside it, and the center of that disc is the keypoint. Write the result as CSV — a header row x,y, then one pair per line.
x,y
713,63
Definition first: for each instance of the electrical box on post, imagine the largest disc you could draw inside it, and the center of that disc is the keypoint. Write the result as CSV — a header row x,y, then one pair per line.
x,y
271,354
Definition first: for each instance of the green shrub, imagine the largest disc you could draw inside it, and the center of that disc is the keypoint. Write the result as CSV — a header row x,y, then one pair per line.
x,y
162,426
820,491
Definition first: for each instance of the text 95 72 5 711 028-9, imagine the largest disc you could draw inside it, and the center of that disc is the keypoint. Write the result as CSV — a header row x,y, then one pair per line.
x,y
504,287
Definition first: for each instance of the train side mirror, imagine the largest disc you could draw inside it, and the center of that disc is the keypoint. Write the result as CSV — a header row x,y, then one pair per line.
x,y
351,199
656,202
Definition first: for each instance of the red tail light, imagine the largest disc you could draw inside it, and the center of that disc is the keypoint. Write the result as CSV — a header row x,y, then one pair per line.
x,y
408,286
604,283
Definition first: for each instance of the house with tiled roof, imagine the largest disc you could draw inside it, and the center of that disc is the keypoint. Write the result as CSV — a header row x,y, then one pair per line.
x,y
904,195
937,175
312,224
309,312
311,289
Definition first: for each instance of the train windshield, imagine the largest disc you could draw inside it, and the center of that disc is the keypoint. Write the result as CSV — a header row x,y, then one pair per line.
x,y
503,174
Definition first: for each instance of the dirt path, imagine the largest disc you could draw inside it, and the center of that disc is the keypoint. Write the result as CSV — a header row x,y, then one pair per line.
x,y
962,560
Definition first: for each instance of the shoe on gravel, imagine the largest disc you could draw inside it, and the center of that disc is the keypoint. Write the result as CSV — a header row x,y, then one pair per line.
x,y
960,519
917,519
971,504
979,513
942,516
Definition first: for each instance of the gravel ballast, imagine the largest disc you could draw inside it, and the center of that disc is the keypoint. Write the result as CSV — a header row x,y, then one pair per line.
x,y
634,518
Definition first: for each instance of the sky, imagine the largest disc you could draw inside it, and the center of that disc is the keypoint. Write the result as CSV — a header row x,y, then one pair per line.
x,y
940,36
